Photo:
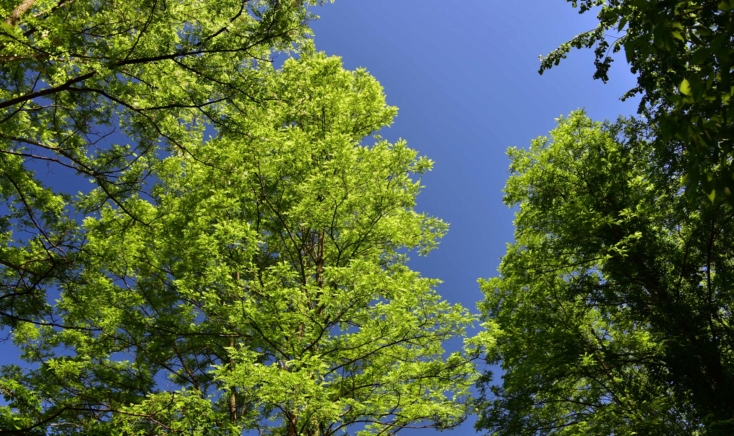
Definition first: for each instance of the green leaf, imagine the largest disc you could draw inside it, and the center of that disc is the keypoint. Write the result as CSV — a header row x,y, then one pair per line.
x,y
685,87
711,195
699,56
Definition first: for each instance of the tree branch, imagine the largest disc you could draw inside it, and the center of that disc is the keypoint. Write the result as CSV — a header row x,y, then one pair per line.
x,y
14,17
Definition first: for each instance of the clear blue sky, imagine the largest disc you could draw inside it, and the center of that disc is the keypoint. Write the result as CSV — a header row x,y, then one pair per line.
x,y
464,77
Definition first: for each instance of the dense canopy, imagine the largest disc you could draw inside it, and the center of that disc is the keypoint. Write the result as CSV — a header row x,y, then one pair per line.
x,y
681,52
264,288
612,311
239,263
101,90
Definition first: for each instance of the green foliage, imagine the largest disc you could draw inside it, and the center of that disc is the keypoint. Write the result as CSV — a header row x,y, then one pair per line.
x,y
99,91
265,288
612,310
682,53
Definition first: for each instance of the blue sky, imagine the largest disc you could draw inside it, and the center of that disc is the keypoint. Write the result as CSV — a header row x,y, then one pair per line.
x,y
465,78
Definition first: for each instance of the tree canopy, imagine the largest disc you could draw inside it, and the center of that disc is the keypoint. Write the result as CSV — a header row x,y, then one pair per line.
x,y
100,91
240,262
612,310
681,53
264,288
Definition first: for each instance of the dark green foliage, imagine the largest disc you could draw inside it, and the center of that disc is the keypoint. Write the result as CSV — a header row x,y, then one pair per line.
x,y
612,312
682,53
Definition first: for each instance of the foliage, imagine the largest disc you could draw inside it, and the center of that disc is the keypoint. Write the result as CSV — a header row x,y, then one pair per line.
x,y
99,91
265,288
612,310
682,53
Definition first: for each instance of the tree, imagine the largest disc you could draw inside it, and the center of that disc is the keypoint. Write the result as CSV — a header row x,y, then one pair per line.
x,y
100,91
681,52
265,288
612,310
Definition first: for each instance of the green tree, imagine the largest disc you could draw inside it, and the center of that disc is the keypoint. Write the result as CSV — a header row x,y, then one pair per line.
x,y
100,90
612,311
682,54
265,288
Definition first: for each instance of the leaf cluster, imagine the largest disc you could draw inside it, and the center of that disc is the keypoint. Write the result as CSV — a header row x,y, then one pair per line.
x,y
612,311
681,52
99,92
268,288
